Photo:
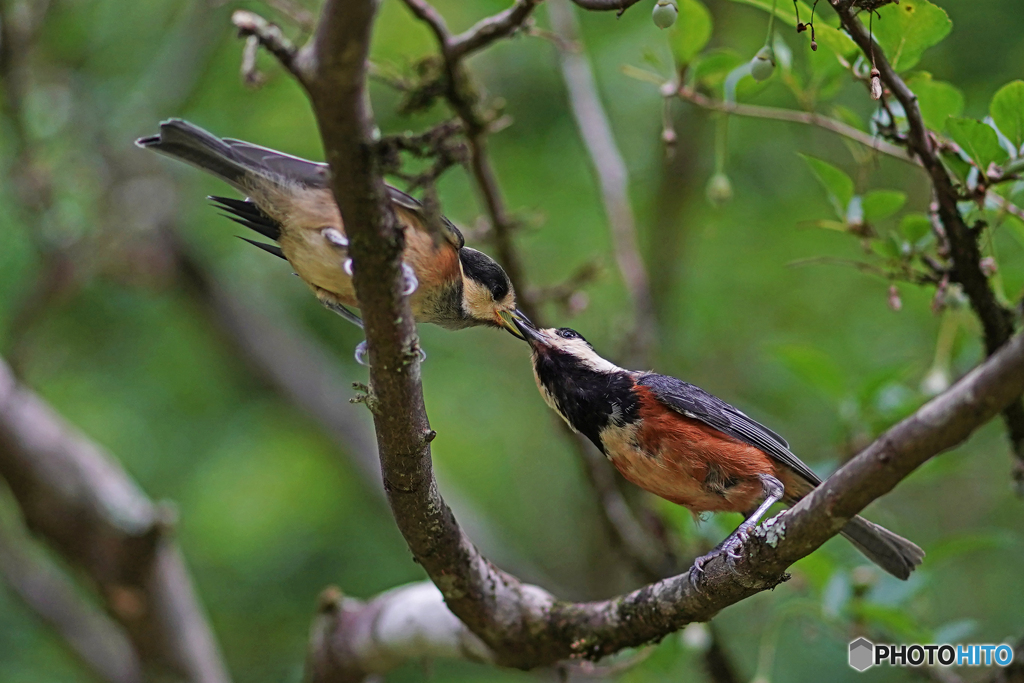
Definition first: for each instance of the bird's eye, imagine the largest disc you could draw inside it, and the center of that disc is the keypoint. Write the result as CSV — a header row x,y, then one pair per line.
x,y
566,333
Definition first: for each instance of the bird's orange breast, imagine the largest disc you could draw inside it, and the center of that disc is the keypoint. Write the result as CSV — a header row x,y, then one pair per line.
x,y
686,461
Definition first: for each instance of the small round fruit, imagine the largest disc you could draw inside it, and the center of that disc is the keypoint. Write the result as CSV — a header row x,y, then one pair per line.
x,y
719,189
665,13
763,64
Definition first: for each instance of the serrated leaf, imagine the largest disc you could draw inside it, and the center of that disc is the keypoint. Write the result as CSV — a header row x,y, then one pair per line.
x,y
691,32
837,184
915,226
906,30
938,100
831,38
1007,110
977,140
880,204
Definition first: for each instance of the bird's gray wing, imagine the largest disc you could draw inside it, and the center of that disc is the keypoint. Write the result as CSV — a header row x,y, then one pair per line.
x,y
693,402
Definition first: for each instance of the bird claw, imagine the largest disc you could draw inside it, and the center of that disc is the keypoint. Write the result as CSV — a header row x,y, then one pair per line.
x,y
697,570
363,353
335,238
410,281
731,548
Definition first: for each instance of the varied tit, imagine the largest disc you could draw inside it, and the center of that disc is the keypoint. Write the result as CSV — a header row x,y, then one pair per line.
x,y
681,443
289,200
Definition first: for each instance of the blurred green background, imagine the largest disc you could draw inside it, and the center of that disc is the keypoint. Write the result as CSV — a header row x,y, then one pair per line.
x,y
271,512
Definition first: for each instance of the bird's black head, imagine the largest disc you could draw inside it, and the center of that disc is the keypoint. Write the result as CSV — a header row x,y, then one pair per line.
x,y
487,294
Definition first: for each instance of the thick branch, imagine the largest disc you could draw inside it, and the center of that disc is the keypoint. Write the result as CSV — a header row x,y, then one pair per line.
x,y
351,639
76,497
619,519
996,320
305,373
94,638
525,627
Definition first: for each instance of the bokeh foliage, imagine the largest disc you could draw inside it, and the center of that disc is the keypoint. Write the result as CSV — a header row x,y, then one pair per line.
x,y
270,513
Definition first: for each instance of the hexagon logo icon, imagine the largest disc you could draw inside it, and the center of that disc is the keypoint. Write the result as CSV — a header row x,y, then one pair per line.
x,y
862,654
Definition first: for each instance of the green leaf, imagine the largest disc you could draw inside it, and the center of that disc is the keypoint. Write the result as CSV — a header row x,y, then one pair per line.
x,y
915,227
692,30
827,36
956,165
711,68
978,140
837,184
938,100
879,204
906,30
1007,109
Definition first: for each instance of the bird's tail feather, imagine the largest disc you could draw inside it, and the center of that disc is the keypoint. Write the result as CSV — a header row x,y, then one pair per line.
x,y
235,161
891,552
182,140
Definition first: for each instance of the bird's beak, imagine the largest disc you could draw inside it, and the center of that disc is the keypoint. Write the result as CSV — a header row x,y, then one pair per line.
x,y
528,331
513,321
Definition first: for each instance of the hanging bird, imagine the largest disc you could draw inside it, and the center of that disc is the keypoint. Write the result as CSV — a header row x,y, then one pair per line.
x,y
288,200
681,443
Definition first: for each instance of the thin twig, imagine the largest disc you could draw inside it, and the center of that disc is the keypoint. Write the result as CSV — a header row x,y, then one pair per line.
x,y
485,32
608,164
270,36
804,117
618,6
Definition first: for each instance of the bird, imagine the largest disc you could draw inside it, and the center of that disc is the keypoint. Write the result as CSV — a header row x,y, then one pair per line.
x,y
681,443
289,200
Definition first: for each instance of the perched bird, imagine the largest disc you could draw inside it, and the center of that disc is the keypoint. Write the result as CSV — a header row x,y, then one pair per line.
x,y
288,200
681,443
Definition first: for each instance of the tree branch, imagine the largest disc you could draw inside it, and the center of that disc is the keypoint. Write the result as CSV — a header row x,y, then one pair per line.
x,y
523,625
526,627
352,639
74,495
304,373
805,117
619,6
996,320
610,168
485,32
91,635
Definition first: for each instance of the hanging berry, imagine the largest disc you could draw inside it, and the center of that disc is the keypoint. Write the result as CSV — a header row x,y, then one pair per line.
x,y
762,66
665,13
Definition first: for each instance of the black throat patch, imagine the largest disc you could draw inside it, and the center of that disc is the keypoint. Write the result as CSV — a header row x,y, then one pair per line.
x,y
588,399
